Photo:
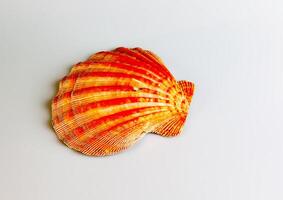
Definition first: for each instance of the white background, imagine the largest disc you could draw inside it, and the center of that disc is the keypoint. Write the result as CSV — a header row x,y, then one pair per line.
x,y
231,147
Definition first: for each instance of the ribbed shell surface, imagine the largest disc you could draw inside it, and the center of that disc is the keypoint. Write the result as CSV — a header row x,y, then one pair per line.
x,y
114,98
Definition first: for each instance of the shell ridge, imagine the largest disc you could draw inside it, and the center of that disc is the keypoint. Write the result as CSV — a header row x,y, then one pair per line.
x,y
187,88
133,62
100,134
123,115
138,55
153,60
125,141
171,127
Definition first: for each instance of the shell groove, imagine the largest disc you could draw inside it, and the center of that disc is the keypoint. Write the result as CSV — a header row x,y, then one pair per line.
x,y
108,102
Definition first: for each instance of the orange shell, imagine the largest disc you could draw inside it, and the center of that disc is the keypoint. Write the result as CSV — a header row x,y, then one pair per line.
x,y
114,98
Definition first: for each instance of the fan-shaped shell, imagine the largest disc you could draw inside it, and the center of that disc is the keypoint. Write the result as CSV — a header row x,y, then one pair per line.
x,y
114,98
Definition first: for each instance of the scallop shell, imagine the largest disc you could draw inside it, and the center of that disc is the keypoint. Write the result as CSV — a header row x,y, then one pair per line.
x,y
110,101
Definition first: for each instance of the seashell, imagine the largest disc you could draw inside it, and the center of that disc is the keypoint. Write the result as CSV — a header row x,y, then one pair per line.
x,y
110,101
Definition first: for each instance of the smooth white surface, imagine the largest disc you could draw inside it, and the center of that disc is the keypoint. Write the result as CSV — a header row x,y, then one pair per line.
x,y
231,147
